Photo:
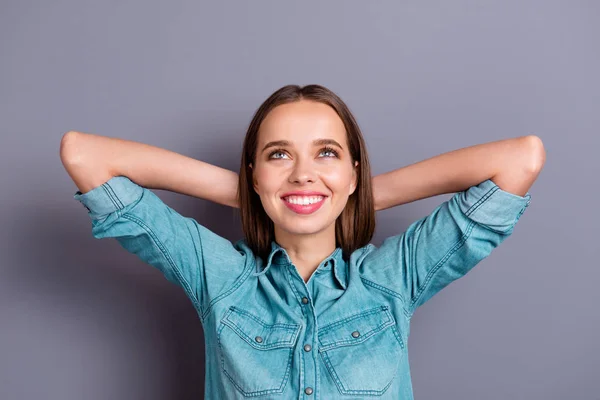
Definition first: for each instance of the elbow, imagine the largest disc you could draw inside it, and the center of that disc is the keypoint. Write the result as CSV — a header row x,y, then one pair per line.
x,y
537,153
67,146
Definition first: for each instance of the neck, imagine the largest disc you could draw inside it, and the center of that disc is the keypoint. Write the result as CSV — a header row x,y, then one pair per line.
x,y
307,250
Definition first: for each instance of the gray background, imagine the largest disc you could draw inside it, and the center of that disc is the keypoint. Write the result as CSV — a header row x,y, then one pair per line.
x,y
83,319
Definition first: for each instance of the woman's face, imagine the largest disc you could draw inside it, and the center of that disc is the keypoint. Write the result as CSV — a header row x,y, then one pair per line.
x,y
303,171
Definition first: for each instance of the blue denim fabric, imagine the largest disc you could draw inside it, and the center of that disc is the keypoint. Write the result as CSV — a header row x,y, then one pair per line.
x,y
341,335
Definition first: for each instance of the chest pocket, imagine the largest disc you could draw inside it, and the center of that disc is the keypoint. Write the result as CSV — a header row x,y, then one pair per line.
x,y
362,352
255,355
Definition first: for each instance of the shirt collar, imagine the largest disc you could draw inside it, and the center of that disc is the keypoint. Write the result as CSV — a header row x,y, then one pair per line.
x,y
334,263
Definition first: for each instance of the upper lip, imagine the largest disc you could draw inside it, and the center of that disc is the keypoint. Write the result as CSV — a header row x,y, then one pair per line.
x,y
303,193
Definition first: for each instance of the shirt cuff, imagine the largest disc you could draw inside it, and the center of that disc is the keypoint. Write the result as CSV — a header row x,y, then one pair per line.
x,y
489,205
114,194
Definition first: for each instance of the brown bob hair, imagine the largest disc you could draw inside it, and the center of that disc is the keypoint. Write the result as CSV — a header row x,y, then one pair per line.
x,y
355,226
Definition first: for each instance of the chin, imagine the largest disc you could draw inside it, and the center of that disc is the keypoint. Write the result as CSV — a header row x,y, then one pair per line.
x,y
302,229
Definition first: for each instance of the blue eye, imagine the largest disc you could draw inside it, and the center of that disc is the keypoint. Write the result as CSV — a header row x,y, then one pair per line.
x,y
278,151
330,150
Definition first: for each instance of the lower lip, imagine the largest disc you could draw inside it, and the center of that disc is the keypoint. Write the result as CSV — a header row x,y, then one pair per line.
x,y
304,209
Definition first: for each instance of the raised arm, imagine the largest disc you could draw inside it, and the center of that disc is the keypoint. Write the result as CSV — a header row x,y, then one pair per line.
x,y
117,175
91,160
490,181
513,164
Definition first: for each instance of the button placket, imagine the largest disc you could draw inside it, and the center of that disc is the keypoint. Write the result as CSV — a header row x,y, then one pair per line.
x,y
309,365
307,348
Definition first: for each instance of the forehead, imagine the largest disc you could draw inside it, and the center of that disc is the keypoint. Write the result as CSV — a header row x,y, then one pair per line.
x,y
302,121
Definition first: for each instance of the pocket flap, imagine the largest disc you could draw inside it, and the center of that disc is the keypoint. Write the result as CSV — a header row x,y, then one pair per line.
x,y
258,333
355,328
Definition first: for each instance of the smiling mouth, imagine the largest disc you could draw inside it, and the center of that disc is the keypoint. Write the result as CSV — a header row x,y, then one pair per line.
x,y
304,204
303,200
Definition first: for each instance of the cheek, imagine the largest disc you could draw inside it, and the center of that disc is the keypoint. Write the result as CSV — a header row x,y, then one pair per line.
x,y
337,179
266,180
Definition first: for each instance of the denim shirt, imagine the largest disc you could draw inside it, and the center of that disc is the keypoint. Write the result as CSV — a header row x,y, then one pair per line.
x,y
341,335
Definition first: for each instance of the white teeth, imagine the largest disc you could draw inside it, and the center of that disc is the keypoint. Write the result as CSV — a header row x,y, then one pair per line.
x,y
303,200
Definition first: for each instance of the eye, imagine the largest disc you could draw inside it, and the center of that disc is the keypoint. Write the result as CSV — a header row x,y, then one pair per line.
x,y
328,149
276,151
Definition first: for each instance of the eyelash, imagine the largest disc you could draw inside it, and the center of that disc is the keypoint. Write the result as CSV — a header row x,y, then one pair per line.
x,y
326,148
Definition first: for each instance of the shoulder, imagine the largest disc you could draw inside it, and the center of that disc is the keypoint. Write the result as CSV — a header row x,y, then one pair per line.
x,y
358,256
243,249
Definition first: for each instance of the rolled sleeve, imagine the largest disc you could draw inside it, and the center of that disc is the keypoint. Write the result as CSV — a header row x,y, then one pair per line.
x,y
490,206
113,195
444,245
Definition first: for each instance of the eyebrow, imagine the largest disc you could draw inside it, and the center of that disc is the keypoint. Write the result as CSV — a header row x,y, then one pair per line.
x,y
316,142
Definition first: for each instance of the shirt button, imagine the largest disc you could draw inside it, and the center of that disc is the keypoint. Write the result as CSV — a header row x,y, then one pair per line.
x,y
307,347
308,390
355,334
305,300
258,339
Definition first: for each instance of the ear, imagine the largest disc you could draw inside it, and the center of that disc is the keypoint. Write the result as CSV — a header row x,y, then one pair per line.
x,y
354,177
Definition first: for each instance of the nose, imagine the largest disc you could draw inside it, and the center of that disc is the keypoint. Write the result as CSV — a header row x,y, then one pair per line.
x,y
303,172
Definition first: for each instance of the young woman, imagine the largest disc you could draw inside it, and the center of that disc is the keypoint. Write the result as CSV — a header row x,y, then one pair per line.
x,y
304,306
